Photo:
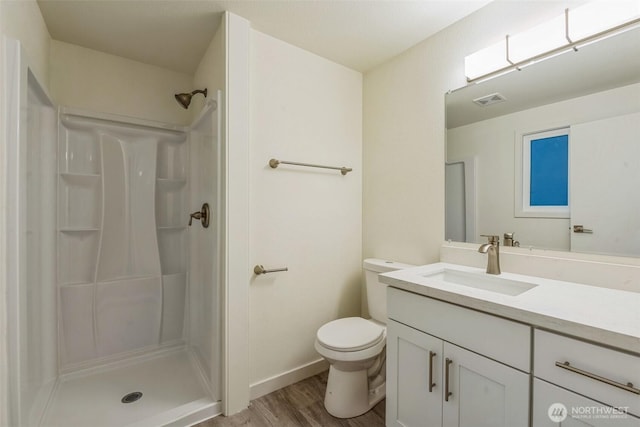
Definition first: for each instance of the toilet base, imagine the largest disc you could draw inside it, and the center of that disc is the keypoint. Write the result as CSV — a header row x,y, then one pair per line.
x,y
348,393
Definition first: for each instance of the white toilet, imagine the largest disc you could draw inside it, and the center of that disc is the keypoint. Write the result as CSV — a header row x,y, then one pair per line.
x,y
355,350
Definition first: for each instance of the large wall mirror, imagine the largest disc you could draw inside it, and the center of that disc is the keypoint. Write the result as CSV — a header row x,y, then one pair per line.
x,y
592,95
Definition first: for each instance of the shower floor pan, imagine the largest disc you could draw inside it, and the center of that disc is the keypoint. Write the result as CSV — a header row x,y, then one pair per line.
x,y
171,387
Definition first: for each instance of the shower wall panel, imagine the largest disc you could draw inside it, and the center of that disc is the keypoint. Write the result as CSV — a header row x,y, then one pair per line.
x,y
36,370
128,246
205,269
172,216
122,239
127,314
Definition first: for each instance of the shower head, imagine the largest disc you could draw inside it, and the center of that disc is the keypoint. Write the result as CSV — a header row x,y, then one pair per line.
x,y
184,99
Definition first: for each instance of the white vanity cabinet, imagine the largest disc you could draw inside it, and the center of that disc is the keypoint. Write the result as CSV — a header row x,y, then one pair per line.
x,y
598,386
580,411
451,366
414,361
524,350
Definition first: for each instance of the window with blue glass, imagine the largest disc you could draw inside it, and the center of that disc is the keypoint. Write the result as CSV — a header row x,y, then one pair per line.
x,y
542,176
549,174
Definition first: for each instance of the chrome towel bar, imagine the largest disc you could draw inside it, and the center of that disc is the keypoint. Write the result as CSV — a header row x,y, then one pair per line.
x,y
258,270
274,164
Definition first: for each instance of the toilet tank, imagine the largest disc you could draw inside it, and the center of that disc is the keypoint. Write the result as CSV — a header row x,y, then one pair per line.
x,y
377,291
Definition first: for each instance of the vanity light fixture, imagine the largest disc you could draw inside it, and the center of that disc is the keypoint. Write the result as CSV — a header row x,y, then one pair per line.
x,y
578,27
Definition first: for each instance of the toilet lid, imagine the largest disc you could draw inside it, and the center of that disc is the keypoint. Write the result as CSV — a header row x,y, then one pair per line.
x,y
350,334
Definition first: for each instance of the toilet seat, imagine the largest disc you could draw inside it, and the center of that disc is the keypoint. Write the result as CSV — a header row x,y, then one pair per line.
x,y
350,334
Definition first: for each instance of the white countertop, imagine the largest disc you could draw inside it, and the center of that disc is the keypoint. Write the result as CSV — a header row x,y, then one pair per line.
x,y
606,316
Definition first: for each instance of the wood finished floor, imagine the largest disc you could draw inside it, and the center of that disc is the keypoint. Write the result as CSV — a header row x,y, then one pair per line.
x,y
300,404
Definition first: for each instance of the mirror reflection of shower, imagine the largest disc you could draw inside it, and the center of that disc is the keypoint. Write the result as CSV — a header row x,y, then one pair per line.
x,y
184,99
460,200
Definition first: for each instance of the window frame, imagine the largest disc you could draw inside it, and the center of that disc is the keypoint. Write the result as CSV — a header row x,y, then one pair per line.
x,y
523,208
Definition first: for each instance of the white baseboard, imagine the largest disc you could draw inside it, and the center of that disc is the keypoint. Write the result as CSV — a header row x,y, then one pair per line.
x,y
287,378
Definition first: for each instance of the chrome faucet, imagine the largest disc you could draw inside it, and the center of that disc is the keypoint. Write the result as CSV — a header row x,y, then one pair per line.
x,y
492,249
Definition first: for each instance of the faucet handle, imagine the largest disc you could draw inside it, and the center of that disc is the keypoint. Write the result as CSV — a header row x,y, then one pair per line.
x,y
494,240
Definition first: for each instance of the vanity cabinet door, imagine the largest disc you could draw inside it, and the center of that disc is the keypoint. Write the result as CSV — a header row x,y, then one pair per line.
x,y
414,359
483,393
574,410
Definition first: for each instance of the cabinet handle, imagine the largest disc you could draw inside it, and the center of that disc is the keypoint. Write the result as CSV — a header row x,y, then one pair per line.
x,y
627,387
431,383
447,393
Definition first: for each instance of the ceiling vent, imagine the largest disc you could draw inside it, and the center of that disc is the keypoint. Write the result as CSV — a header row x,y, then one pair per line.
x,y
494,98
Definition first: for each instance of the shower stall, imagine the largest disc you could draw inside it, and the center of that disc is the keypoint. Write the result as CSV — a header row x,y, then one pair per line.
x,y
113,295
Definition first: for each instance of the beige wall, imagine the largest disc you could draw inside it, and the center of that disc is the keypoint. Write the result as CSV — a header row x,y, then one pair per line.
x,y
22,20
307,109
211,71
96,81
403,197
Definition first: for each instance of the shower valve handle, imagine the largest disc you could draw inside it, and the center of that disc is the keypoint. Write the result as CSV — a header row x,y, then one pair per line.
x,y
203,215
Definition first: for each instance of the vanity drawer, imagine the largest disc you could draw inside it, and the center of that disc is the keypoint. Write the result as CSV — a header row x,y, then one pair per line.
x,y
499,339
597,372
580,411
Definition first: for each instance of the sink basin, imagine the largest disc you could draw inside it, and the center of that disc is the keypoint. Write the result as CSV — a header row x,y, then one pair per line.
x,y
482,281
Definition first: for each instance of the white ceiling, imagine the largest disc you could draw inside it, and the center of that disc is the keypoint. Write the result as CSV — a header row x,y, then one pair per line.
x,y
174,34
